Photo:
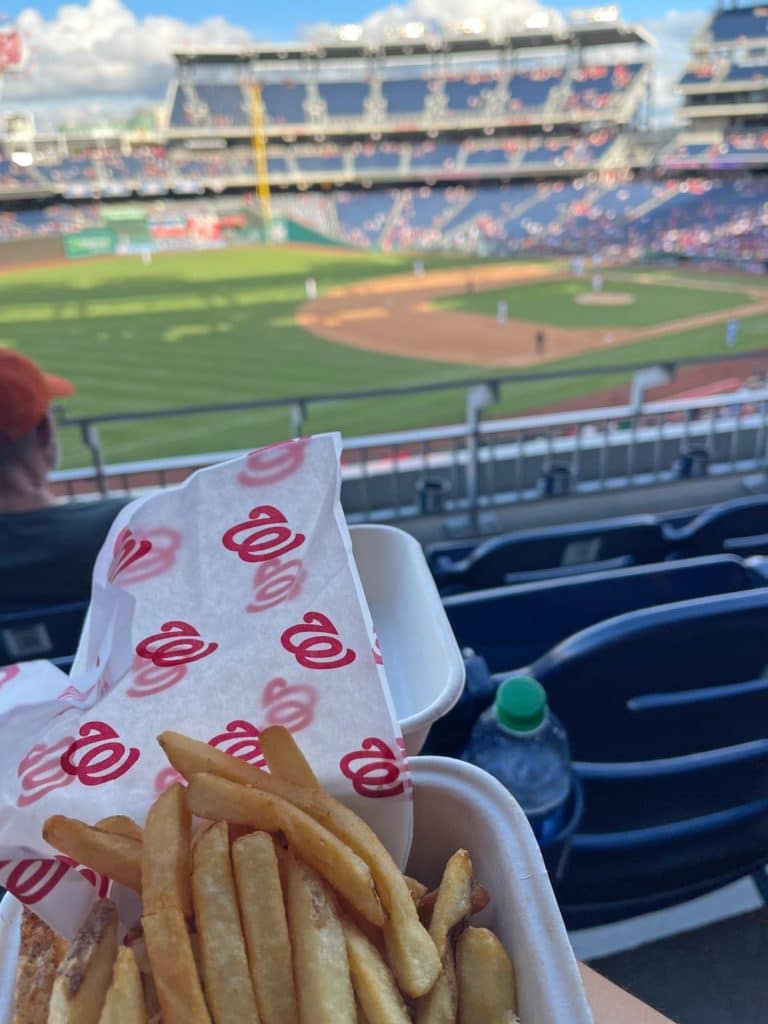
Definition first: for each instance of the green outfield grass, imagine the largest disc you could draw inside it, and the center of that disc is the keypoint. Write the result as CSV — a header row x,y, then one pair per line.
x,y
201,328
554,302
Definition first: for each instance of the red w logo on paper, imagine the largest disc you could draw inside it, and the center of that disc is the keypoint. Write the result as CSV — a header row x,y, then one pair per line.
x,y
321,648
241,740
276,582
263,536
100,882
8,672
127,550
380,771
99,755
177,643
32,880
272,464
41,772
147,680
289,705
137,559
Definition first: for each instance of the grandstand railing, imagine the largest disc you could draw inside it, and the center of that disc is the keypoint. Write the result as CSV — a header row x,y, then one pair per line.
x,y
469,467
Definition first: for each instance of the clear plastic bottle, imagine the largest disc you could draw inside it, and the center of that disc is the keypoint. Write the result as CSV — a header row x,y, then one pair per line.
x,y
521,743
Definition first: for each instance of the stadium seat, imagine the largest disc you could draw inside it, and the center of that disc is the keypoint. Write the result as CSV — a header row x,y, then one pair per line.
x,y
405,95
739,526
344,99
666,711
513,626
51,632
555,551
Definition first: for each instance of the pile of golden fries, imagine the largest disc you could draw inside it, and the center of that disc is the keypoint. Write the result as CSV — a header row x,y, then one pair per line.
x,y
281,907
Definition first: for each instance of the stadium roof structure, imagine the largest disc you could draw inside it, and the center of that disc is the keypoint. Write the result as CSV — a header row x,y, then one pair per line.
x,y
589,35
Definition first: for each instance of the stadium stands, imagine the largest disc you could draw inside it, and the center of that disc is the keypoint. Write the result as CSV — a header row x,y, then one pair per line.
x,y
747,24
404,95
226,105
343,99
284,103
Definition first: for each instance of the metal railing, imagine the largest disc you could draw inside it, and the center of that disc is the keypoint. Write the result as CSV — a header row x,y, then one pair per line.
x,y
473,466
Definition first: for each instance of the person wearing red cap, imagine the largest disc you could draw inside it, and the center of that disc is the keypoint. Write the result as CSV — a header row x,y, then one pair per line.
x,y
47,548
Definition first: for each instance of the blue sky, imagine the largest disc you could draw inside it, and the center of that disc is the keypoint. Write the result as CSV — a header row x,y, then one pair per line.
x,y
285,21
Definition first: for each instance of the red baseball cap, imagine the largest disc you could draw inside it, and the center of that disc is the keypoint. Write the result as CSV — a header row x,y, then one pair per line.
x,y
25,394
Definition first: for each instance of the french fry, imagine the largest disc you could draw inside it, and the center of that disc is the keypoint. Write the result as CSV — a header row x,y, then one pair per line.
x,y
414,958
486,979
166,866
125,999
452,906
84,975
115,856
440,1005
174,972
323,851
321,967
454,899
374,984
284,758
417,889
265,927
227,981
480,900
121,825
40,953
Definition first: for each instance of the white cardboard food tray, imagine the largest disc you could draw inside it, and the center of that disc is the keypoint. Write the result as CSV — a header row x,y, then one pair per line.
x,y
425,670
458,805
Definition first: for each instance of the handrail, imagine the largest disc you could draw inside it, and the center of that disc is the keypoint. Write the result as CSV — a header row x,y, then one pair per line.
x,y
407,389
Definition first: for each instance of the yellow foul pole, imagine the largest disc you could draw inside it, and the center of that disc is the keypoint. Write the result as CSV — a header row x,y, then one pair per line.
x,y
259,143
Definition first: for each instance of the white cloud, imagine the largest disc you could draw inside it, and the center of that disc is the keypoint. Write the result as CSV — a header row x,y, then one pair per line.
x,y
102,49
673,33
498,16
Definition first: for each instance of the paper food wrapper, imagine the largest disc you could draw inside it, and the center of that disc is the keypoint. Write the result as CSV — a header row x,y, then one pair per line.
x,y
219,607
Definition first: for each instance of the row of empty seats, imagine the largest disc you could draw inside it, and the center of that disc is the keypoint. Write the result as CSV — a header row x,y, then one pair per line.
x,y
737,527
657,672
221,105
745,147
148,169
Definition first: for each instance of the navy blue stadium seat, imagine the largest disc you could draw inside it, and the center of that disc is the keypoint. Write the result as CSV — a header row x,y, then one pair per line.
x,y
50,632
344,99
226,103
741,22
325,162
513,626
739,526
555,551
667,713
284,103
465,94
405,95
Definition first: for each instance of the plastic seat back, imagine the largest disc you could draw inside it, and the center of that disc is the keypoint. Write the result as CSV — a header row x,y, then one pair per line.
x,y
667,713
558,551
48,632
513,626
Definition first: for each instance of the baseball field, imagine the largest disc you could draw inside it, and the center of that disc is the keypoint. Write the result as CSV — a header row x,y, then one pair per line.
x,y
192,329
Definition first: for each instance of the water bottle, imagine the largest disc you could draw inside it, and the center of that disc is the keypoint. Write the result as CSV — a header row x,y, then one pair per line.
x,y
450,734
521,743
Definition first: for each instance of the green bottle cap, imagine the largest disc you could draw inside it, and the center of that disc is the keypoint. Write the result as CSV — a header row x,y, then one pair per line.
x,y
521,703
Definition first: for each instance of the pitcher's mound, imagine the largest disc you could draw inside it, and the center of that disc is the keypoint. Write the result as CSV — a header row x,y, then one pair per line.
x,y
605,298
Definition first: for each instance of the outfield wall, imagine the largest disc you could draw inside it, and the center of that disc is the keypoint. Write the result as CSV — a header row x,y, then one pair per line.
x,y
21,253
